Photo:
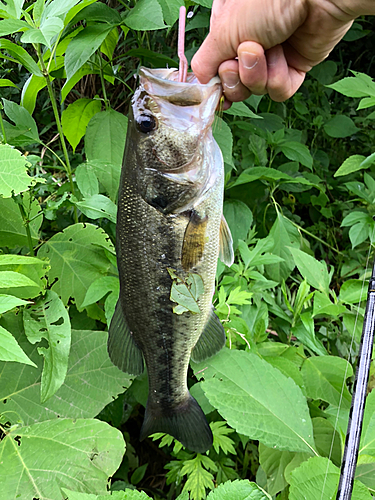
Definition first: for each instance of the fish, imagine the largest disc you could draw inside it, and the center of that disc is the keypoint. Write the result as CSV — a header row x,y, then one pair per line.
x,y
170,231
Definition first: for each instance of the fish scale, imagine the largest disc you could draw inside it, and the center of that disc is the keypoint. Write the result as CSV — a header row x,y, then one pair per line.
x,y
168,230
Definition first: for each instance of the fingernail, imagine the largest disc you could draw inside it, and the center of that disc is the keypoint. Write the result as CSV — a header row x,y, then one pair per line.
x,y
230,79
249,60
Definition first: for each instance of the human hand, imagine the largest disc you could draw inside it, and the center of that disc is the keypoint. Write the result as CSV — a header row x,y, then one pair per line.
x,y
267,46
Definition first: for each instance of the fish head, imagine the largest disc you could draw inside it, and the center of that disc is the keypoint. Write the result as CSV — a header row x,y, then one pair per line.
x,y
170,122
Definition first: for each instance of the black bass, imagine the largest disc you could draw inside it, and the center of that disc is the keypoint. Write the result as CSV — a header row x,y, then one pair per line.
x,y
170,230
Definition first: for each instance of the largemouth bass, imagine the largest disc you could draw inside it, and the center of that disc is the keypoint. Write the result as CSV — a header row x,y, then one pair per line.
x,y
170,230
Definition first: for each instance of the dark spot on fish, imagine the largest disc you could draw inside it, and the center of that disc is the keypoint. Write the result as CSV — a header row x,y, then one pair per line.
x,y
159,202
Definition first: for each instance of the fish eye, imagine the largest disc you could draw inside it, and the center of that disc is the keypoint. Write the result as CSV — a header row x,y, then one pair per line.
x,y
146,123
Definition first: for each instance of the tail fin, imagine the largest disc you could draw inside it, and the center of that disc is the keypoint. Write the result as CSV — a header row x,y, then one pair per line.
x,y
186,423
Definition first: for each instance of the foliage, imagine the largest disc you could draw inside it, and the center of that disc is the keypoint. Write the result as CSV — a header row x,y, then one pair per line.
x,y
299,200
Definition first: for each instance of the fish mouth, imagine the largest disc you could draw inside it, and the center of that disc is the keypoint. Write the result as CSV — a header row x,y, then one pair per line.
x,y
163,83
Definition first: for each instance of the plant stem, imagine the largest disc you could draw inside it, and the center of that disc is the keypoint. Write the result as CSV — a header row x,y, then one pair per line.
x,y
2,126
58,123
107,107
27,227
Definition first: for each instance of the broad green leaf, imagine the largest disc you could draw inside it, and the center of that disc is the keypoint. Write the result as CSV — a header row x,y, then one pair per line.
x,y
105,138
91,382
325,378
238,490
324,72
145,15
270,174
204,3
324,306
359,233
18,284
353,291
4,82
107,173
308,338
367,444
83,45
87,180
100,288
296,151
223,136
354,217
77,257
128,494
39,459
12,227
319,478
30,91
273,462
312,270
324,434
249,409
58,8
75,118
110,42
10,350
340,126
284,235
240,109
21,56
45,33
21,117
9,302
10,26
366,102
98,206
350,165
14,178
239,218
361,85
49,320
185,293
287,367
365,473
171,10
19,267
354,325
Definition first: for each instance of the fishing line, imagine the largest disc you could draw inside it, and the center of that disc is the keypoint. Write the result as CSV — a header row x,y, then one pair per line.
x,y
351,463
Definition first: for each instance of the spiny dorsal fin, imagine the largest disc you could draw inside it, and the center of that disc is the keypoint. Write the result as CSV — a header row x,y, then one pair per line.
x,y
122,349
194,241
211,340
226,254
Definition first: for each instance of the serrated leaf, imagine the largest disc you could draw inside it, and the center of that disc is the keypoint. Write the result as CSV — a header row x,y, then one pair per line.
x,y
145,15
18,284
10,350
77,257
10,26
97,207
325,378
312,270
80,453
171,10
296,151
220,432
49,320
259,414
14,178
359,86
76,117
91,382
239,490
240,109
20,267
350,165
12,228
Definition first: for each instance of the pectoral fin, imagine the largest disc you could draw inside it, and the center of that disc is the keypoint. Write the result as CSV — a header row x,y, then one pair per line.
x,y
226,254
194,241
211,340
122,349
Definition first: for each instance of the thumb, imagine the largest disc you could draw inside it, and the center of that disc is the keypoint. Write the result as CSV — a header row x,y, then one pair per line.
x,y
210,55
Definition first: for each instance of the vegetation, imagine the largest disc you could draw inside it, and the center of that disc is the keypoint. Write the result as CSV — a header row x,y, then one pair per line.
x,y
300,201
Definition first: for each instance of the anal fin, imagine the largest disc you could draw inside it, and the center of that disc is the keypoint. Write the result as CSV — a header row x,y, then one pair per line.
x,y
211,340
226,253
122,349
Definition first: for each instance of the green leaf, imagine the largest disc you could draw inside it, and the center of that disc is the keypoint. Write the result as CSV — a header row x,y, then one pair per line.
x,y
270,174
36,458
83,45
367,444
198,477
313,271
324,378
45,33
77,257
14,178
240,109
91,382
249,409
296,151
352,291
21,56
22,118
10,26
354,217
22,267
223,136
105,138
9,302
128,494
145,15
327,439
98,206
18,284
220,432
308,338
100,288
359,233
238,490
87,180
171,10
12,227
239,218
30,91
324,72
324,306
108,175
284,235
58,8
110,42
76,117
49,320
361,85
273,462
9,348
186,292
366,102
4,82
340,126
350,165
